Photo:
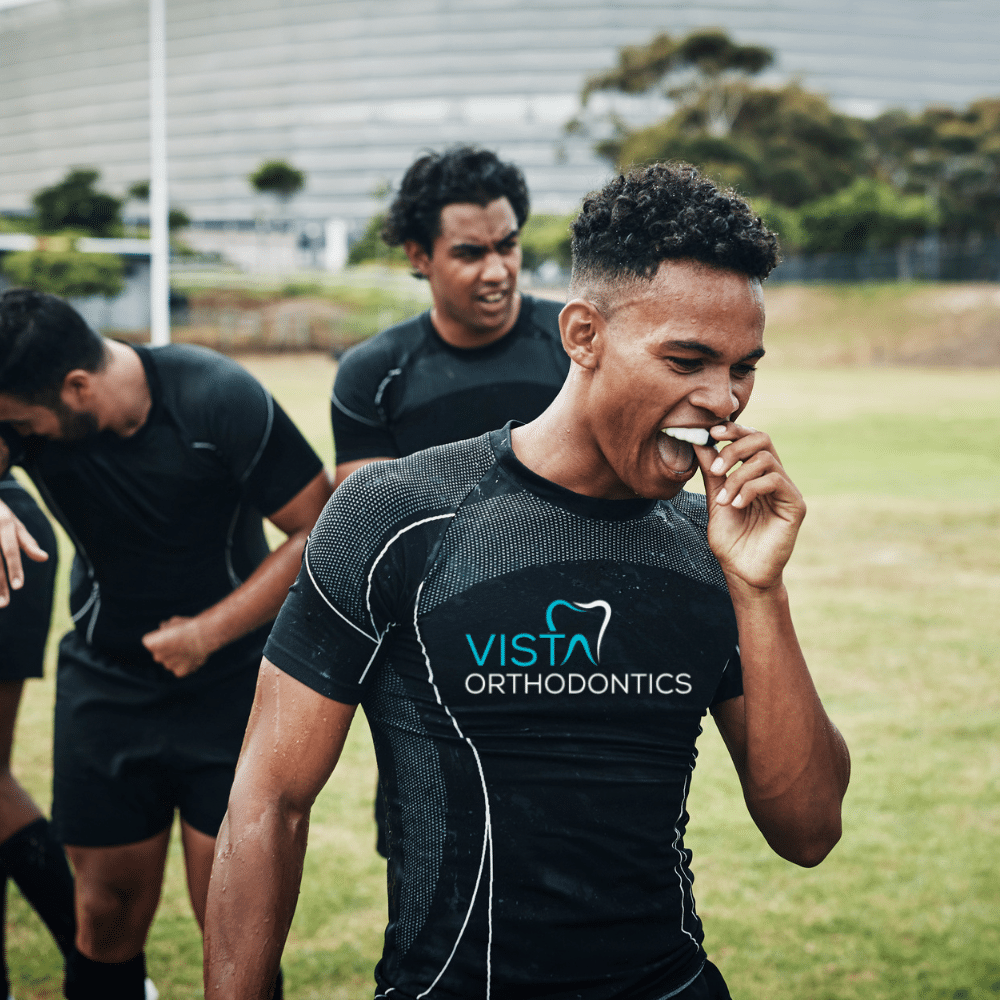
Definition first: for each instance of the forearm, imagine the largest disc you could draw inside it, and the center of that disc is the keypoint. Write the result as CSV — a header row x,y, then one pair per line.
x,y
256,601
797,766
251,898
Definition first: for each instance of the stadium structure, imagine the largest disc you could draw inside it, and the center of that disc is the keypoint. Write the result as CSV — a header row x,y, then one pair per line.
x,y
349,91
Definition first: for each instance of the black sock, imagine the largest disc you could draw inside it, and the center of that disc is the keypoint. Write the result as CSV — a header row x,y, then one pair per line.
x,y
34,859
90,980
279,987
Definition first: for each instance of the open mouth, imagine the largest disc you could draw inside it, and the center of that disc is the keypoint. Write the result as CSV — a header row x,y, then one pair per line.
x,y
674,445
493,298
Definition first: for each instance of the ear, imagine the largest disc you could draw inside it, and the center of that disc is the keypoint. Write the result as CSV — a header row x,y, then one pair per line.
x,y
419,258
78,389
582,326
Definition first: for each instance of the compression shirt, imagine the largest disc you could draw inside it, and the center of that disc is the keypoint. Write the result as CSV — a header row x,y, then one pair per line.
x,y
406,389
534,665
168,521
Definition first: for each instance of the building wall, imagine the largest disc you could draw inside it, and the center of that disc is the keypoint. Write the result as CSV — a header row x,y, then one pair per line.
x,y
351,90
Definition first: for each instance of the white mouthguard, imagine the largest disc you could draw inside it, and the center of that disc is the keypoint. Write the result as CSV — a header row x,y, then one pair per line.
x,y
693,435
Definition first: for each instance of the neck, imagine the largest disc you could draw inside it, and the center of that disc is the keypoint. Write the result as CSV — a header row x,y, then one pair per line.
x,y
559,446
459,335
125,399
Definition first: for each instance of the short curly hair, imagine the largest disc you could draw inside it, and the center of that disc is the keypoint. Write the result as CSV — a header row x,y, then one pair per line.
x,y
460,174
667,211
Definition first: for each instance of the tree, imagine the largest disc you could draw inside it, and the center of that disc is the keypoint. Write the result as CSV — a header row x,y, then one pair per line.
x,y
177,218
66,272
74,203
868,214
278,178
707,67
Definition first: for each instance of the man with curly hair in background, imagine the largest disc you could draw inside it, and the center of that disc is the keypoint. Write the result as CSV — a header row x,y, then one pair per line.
x,y
536,622
483,353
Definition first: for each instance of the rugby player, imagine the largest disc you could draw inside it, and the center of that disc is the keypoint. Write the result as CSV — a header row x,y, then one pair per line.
x,y
483,354
159,463
536,621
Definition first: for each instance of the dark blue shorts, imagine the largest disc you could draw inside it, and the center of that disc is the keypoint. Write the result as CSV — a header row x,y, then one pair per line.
x,y
128,754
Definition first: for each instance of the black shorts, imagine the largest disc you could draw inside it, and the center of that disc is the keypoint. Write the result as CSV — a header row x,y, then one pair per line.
x,y
707,985
24,623
127,753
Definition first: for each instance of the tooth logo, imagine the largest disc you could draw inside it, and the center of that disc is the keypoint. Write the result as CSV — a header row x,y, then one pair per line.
x,y
580,639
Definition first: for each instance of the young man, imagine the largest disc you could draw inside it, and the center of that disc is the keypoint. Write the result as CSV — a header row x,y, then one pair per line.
x,y
536,621
29,853
484,353
159,463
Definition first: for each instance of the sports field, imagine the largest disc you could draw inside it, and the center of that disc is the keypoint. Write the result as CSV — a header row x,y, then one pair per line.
x,y
895,587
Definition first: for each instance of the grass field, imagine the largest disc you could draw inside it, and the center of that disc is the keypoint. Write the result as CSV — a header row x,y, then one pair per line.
x,y
896,591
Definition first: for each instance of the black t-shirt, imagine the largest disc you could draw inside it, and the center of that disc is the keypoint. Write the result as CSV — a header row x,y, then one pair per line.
x,y
24,622
168,521
534,665
406,389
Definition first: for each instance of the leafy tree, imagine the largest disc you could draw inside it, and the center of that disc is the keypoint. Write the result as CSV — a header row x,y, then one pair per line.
x,y
371,247
546,237
177,218
74,203
66,272
868,214
952,156
278,178
706,68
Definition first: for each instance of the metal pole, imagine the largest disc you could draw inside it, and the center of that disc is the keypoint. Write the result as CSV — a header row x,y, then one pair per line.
x,y
159,303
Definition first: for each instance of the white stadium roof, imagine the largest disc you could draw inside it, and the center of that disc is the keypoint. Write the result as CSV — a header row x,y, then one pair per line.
x,y
351,90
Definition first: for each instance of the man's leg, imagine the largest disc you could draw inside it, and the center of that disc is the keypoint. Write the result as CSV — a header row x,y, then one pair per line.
x,y
117,892
29,853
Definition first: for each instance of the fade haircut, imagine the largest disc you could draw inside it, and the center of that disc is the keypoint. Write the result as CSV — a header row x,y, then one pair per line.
x,y
463,174
664,212
43,339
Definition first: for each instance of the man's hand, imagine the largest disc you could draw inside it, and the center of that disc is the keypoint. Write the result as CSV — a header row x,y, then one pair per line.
x,y
754,511
15,537
179,645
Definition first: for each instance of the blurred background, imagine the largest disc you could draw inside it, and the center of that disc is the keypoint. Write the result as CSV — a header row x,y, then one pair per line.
x,y
867,134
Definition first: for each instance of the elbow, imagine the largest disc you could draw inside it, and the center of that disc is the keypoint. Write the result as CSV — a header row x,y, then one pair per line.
x,y
808,847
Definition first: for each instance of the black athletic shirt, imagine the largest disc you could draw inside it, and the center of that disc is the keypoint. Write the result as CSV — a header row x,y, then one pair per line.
x,y
534,665
406,389
168,521
24,623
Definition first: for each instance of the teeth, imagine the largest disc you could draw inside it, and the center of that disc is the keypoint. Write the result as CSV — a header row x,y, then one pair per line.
x,y
496,297
693,435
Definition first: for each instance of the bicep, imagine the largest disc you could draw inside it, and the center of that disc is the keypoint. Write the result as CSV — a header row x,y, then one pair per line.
x,y
293,740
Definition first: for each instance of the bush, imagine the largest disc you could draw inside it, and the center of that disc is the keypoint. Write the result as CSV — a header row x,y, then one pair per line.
x,y
547,237
371,249
66,272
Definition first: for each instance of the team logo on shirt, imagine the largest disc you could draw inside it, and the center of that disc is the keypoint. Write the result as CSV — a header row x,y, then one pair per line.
x,y
555,648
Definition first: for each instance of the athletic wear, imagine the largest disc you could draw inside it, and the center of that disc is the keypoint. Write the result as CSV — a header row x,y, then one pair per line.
x,y
165,522
128,751
35,861
406,389
168,521
24,623
534,665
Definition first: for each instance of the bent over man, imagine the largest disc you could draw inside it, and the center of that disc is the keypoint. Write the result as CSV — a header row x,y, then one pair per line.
x,y
536,620
159,464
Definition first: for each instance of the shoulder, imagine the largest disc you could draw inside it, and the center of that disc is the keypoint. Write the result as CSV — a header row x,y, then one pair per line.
x,y
685,518
192,376
373,357
542,315
691,507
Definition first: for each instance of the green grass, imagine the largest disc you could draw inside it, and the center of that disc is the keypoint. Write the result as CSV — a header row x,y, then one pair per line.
x,y
895,586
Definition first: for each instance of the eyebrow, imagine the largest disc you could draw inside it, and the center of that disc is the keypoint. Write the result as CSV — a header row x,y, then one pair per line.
x,y
710,352
486,246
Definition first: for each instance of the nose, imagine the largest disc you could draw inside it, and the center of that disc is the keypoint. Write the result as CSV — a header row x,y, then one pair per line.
x,y
494,268
715,393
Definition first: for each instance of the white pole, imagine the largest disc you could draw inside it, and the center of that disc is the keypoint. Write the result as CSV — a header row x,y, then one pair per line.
x,y
159,304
